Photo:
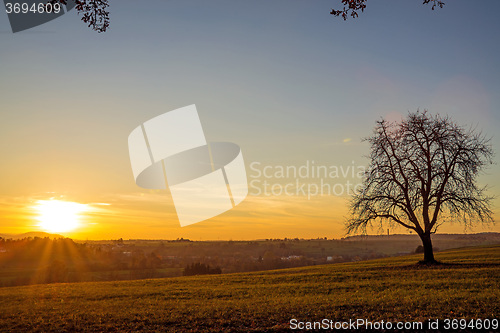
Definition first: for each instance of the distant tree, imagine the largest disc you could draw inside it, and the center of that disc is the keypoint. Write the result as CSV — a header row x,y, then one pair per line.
x,y
352,7
422,169
269,256
154,261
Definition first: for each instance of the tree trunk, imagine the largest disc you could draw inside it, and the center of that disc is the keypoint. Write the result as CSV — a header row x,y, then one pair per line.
x,y
428,250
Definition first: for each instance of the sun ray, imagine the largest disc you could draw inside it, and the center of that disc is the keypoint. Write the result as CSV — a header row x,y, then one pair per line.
x,y
79,263
45,248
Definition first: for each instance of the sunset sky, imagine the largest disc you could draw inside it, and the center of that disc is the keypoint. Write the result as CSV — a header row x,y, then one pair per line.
x,y
290,84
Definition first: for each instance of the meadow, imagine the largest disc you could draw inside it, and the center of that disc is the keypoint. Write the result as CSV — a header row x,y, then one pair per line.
x,y
390,289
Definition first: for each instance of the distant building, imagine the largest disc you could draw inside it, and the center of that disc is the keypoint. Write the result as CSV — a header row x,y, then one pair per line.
x,y
291,258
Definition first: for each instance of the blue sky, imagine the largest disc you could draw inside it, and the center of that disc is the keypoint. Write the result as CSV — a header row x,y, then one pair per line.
x,y
285,80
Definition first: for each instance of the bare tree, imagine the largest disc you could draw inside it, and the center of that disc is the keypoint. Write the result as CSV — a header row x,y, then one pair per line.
x,y
94,12
422,170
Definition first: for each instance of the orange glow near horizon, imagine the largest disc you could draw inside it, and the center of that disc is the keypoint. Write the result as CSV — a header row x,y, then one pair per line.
x,y
149,215
59,216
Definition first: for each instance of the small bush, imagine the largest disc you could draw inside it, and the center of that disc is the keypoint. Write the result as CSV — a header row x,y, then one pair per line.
x,y
419,249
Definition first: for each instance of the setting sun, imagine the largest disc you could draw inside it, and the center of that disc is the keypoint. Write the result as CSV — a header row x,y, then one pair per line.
x,y
59,216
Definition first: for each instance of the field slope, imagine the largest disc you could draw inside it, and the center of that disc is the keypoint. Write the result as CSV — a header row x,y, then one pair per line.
x,y
391,289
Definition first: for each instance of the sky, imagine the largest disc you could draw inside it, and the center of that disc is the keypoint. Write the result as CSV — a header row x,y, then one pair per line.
x,y
289,83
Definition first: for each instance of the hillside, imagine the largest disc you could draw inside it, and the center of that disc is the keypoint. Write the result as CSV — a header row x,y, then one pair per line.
x,y
43,260
390,289
32,234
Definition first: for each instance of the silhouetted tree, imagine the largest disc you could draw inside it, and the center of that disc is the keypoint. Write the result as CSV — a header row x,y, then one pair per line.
x,y
422,168
96,15
200,269
93,12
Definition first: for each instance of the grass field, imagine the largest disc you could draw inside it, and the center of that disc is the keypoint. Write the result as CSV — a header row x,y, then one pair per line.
x,y
391,289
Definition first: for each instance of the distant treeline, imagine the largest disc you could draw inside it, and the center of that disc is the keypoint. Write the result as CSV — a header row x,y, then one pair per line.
x,y
200,269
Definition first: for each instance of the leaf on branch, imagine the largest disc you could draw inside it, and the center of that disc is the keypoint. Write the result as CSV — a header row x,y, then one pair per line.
x,y
94,12
351,7
435,3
